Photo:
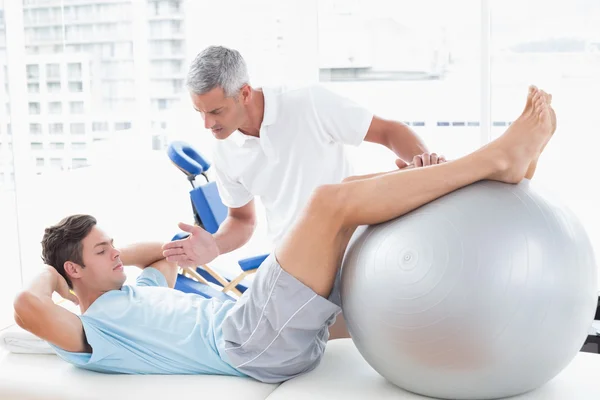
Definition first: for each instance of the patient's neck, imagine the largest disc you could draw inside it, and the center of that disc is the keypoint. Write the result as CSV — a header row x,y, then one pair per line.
x,y
86,297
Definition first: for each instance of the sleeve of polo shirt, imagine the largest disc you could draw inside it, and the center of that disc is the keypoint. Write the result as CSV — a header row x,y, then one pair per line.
x,y
233,193
342,119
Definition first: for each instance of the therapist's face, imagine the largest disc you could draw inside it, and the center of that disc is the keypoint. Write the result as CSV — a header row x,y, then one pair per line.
x,y
222,115
102,270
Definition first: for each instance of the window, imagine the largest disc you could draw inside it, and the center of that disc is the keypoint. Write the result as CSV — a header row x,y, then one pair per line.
x,y
74,71
55,107
57,146
52,72
33,87
53,87
34,108
174,6
439,58
558,53
35,129
77,128
33,72
79,162
122,125
100,126
56,162
155,10
55,128
177,86
76,107
75,87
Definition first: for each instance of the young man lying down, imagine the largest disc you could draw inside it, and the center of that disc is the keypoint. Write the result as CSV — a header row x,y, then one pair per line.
x,y
279,328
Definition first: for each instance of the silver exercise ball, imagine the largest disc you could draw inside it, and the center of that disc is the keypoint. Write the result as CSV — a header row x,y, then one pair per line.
x,y
485,293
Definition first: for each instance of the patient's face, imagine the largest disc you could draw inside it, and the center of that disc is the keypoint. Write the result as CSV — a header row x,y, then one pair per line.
x,y
103,267
222,115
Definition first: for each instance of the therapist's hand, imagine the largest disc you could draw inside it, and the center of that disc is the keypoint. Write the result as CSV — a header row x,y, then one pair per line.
x,y
421,160
199,248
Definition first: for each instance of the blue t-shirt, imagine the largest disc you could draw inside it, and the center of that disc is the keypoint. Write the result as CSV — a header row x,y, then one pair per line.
x,y
152,329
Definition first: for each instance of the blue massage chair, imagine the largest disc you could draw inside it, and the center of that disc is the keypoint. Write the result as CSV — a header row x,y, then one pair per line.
x,y
209,212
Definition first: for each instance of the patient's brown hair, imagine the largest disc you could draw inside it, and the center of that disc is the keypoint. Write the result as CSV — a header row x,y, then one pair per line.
x,y
63,242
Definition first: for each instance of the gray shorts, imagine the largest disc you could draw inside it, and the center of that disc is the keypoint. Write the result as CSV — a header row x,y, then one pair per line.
x,y
278,329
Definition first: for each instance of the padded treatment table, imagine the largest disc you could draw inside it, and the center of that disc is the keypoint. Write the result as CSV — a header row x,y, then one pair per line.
x,y
343,374
48,377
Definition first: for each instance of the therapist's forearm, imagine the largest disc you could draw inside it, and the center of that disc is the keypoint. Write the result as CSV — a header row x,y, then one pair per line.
x,y
233,234
404,142
142,255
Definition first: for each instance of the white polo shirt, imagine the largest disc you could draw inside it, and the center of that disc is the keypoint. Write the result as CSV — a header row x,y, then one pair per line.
x,y
301,147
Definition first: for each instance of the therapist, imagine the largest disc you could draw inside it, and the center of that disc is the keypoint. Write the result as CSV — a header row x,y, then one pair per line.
x,y
278,145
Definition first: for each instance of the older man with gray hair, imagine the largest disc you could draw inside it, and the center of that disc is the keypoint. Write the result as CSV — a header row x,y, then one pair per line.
x,y
279,145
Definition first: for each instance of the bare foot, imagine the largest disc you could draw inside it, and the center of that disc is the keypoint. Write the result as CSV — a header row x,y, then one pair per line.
x,y
533,165
523,141
530,93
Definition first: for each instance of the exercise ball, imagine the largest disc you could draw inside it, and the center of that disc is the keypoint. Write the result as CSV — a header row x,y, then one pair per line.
x,y
487,292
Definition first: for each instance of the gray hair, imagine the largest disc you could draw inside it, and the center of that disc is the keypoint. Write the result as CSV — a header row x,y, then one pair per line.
x,y
217,66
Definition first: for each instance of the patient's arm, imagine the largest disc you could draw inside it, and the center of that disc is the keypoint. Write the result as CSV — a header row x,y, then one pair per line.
x,y
141,255
144,255
36,312
169,270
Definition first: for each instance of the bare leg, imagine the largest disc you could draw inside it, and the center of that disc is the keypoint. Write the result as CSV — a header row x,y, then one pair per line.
x,y
375,174
399,163
368,176
312,251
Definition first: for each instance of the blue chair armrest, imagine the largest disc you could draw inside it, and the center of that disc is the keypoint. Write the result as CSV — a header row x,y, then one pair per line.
x,y
250,263
188,285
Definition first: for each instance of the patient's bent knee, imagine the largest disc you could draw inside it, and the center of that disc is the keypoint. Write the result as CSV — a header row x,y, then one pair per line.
x,y
328,201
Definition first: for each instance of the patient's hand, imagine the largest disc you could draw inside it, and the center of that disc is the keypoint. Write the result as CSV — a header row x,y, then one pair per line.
x,y
198,248
61,287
